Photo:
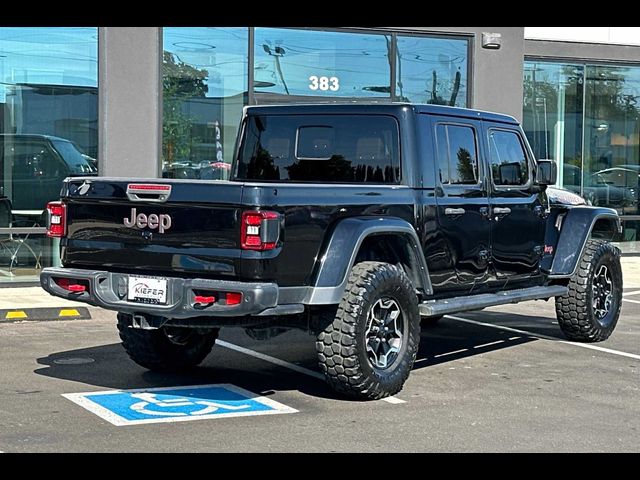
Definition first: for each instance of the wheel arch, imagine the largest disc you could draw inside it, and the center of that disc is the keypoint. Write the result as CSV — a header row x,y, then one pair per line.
x,y
578,226
367,238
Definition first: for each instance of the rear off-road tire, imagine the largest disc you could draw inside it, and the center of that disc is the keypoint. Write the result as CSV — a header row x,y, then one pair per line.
x,y
367,352
590,310
167,349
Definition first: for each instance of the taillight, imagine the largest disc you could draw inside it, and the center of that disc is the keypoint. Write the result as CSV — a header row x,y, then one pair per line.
x,y
260,230
56,227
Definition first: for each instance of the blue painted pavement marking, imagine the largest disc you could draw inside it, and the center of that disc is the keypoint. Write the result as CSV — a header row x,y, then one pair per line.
x,y
175,404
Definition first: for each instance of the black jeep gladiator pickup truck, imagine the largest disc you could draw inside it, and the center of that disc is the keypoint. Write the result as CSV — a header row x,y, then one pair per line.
x,y
353,222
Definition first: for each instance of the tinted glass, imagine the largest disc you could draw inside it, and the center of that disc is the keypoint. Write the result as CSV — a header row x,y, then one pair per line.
x,y
457,155
443,153
320,148
507,157
48,88
320,63
204,86
432,70
587,118
78,163
611,166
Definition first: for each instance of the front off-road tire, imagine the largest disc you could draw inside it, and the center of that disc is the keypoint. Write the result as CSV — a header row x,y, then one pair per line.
x,y
590,310
167,349
359,358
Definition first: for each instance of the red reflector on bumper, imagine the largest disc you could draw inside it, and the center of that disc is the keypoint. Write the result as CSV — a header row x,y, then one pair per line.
x,y
204,300
234,298
72,285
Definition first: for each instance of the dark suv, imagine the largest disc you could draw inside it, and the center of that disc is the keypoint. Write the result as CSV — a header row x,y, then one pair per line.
x,y
34,166
353,222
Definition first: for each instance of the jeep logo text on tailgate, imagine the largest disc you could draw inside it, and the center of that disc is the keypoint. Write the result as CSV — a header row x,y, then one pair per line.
x,y
162,222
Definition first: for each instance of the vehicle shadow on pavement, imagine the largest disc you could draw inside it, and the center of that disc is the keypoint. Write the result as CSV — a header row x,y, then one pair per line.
x,y
447,341
451,340
111,368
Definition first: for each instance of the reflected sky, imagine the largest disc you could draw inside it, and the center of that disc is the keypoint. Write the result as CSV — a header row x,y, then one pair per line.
x,y
49,56
344,64
222,51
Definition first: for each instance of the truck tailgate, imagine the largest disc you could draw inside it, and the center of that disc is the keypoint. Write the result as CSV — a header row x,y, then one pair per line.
x,y
195,229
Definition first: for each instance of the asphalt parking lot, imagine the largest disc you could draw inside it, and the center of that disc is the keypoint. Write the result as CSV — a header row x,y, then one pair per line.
x,y
500,380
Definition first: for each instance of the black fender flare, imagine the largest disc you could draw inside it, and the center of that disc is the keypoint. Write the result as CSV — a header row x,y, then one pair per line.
x,y
339,256
575,231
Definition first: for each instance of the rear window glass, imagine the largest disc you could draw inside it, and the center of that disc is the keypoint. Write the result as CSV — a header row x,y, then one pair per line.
x,y
320,148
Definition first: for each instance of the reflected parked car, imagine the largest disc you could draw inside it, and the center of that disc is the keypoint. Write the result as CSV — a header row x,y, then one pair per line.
x,y
204,170
600,189
33,168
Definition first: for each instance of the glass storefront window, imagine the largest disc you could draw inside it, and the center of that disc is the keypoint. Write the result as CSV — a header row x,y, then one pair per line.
x,y
204,80
611,137
48,131
291,62
432,70
587,118
553,117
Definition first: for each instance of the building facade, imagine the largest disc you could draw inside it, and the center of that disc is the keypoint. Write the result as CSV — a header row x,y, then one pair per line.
x,y
166,102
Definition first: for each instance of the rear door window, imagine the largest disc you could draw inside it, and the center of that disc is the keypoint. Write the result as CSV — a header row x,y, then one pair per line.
x,y
457,155
320,148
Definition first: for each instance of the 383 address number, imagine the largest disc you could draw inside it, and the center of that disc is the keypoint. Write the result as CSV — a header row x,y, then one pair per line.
x,y
324,83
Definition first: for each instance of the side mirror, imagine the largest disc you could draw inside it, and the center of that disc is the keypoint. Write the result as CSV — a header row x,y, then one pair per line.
x,y
547,172
510,174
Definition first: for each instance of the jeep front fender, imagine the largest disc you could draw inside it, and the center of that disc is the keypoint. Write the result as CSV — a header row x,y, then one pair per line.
x,y
577,226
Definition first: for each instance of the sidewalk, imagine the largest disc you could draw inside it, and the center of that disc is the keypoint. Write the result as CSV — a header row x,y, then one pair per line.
x,y
35,297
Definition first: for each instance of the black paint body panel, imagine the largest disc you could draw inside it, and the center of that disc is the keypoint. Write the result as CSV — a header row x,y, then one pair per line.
x,y
204,238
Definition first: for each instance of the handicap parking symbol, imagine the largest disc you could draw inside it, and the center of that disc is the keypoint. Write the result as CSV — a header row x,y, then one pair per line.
x,y
176,404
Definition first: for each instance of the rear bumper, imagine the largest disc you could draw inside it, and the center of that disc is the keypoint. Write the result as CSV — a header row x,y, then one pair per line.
x,y
109,290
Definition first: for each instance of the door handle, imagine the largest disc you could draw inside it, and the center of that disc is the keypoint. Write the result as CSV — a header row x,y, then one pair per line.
x,y
501,211
454,211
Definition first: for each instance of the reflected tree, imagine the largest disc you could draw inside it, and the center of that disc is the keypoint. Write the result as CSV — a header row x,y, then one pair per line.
x,y
466,170
180,82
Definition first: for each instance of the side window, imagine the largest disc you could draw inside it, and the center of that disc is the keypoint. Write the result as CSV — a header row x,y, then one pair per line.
x,y
457,155
508,160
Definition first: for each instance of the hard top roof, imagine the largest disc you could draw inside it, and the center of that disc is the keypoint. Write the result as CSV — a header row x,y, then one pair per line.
x,y
379,108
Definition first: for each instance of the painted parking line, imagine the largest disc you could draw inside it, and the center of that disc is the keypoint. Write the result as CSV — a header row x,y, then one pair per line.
x,y
462,350
545,337
176,404
630,301
628,294
490,344
290,366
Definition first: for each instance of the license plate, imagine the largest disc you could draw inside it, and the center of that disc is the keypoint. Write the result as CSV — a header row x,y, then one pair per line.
x,y
151,290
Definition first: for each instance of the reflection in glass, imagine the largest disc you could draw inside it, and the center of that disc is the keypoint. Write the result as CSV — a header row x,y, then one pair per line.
x,y
320,148
48,131
611,140
553,97
432,70
204,80
320,63
587,118
507,158
457,155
